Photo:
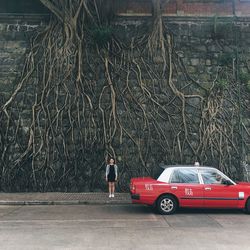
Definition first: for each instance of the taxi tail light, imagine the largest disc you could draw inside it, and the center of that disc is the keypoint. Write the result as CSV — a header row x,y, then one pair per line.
x,y
132,188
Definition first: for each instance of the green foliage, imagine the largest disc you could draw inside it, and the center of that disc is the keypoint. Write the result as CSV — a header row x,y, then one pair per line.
x,y
102,35
245,79
248,86
221,84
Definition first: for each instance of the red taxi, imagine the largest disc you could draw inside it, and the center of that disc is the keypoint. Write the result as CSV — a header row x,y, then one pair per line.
x,y
190,186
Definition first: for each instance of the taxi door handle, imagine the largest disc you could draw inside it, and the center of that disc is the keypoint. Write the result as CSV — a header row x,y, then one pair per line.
x,y
174,188
208,188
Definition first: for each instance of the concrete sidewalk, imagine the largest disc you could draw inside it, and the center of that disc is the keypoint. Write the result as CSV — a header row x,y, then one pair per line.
x,y
62,198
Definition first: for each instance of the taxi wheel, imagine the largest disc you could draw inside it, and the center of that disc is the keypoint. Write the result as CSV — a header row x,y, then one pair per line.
x,y
166,204
248,206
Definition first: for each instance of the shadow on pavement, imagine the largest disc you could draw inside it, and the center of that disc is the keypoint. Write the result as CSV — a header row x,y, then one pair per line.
x,y
147,209
209,211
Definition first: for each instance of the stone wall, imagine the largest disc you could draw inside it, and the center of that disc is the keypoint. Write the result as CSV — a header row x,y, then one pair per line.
x,y
15,35
204,44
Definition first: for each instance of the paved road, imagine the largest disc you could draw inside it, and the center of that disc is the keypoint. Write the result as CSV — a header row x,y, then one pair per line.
x,y
120,227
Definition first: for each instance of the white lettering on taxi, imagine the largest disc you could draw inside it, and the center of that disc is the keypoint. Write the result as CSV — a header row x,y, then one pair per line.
x,y
189,191
148,186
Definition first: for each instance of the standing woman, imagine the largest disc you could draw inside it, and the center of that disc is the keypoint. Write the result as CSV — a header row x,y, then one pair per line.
x,y
111,176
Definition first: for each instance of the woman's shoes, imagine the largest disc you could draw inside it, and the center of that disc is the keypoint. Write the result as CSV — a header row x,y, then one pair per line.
x,y
111,195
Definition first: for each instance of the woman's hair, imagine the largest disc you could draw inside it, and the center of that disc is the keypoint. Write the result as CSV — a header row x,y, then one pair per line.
x,y
111,158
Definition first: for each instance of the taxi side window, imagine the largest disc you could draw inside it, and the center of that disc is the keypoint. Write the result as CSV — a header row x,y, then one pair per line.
x,y
184,176
211,176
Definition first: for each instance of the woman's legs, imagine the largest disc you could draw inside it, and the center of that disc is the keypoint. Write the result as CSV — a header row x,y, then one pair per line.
x,y
113,188
110,188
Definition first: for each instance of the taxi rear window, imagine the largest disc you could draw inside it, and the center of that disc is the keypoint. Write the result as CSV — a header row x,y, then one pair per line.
x,y
184,176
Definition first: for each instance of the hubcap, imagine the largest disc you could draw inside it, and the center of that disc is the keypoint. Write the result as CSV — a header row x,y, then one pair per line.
x,y
167,205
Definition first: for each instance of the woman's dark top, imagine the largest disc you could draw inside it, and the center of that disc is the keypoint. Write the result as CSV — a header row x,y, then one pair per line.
x,y
111,175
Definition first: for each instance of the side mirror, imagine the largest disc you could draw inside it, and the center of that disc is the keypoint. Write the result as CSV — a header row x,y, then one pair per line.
x,y
226,182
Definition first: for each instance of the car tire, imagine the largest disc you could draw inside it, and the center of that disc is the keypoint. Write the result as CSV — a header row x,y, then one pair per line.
x,y
247,209
166,204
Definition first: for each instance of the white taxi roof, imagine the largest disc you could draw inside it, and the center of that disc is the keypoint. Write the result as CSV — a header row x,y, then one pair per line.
x,y
165,175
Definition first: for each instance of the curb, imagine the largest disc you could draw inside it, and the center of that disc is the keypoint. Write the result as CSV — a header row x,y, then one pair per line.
x,y
21,199
63,202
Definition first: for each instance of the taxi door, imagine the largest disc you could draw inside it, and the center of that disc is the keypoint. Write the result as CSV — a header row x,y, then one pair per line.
x,y
185,184
217,194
